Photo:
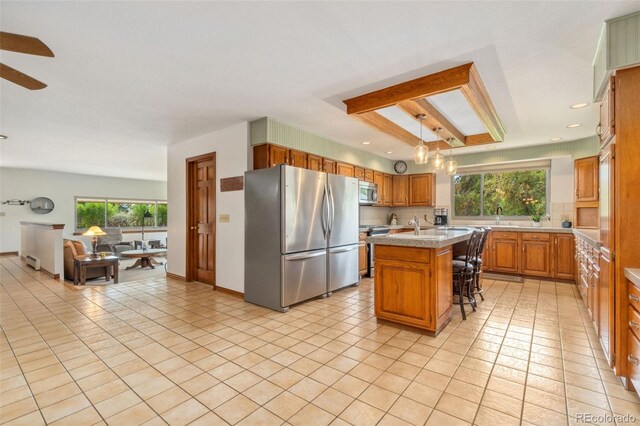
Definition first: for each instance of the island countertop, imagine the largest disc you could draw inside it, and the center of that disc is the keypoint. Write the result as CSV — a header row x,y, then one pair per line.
x,y
429,238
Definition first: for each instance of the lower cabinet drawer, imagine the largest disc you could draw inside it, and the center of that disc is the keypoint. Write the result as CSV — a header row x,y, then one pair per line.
x,y
634,358
634,296
634,321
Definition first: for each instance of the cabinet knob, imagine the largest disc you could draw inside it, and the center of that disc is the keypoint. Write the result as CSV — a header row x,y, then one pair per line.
x,y
634,324
634,298
633,360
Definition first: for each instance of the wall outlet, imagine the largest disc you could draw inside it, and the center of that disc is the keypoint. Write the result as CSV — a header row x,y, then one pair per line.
x,y
224,218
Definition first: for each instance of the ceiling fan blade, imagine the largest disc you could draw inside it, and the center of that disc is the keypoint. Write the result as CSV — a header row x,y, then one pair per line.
x,y
24,44
20,79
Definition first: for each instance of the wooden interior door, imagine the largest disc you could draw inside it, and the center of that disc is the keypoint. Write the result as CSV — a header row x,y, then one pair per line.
x,y
201,219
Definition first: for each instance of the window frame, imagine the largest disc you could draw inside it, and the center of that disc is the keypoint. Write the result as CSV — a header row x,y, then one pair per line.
x,y
483,216
107,200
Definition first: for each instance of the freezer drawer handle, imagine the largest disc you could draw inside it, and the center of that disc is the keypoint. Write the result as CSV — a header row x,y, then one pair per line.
x,y
304,256
345,249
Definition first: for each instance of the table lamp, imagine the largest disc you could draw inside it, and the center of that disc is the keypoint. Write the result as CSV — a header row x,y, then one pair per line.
x,y
94,231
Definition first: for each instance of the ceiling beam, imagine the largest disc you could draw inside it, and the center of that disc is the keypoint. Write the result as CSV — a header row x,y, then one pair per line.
x,y
431,84
389,127
433,118
478,98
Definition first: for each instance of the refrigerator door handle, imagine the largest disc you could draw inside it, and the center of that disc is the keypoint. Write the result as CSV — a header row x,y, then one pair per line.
x,y
332,213
324,220
302,256
344,249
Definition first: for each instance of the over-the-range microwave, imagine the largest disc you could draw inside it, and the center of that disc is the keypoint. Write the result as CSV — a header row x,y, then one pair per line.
x,y
367,193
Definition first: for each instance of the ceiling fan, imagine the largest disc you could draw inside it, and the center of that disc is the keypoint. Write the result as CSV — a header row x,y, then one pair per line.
x,y
22,44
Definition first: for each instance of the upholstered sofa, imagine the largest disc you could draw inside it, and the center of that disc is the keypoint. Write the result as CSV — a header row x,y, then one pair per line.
x,y
112,242
76,249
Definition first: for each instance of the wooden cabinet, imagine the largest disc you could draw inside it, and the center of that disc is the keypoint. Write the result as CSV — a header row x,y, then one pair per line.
x,y
606,128
422,189
362,253
268,155
314,162
344,169
358,172
505,252
297,158
368,175
563,256
387,189
378,179
400,190
328,166
536,254
586,179
606,302
413,286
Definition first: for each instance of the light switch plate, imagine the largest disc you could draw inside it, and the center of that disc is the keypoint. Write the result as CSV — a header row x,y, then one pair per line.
x,y
224,218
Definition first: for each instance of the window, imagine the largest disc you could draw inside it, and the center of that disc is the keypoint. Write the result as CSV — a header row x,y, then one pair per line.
x,y
121,213
520,193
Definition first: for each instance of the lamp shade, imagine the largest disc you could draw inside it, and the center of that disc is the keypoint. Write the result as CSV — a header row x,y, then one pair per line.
x,y
94,231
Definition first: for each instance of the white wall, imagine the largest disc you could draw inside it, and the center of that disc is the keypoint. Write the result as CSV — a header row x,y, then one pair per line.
x,y
232,159
26,184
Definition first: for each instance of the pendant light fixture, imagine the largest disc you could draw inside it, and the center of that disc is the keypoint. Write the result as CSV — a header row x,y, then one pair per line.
x,y
451,166
438,158
421,152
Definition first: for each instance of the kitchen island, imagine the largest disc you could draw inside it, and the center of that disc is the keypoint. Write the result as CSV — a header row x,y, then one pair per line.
x,y
413,280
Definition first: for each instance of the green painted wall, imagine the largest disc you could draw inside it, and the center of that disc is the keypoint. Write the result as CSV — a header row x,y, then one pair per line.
x,y
269,130
576,149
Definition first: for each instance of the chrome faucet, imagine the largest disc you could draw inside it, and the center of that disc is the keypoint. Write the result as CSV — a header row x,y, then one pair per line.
x,y
416,225
498,213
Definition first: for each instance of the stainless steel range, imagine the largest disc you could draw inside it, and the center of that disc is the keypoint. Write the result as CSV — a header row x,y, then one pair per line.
x,y
372,230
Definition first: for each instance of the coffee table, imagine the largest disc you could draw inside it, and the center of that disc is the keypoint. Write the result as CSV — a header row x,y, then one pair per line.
x,y
145,257
109,263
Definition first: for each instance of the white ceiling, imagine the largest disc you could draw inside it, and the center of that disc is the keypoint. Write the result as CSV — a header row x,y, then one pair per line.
x,y
130,78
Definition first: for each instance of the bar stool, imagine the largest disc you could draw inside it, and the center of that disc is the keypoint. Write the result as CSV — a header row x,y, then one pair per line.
x,y
464,273
476,260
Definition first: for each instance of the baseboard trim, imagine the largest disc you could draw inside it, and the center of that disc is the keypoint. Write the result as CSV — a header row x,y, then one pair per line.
x,y
9,253
51,274
176,277
230,292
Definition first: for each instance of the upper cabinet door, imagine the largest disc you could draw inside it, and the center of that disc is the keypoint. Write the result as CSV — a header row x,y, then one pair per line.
x,y
386,190
400,191
378,179
314,162
422,190
586,179
606,128
345,169
297,158
358,173
277,155
329,166
368,175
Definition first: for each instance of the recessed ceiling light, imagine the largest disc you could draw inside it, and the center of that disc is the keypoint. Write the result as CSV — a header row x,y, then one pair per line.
x,y
555,139
366,143
579,105
4,137
572,126
389,152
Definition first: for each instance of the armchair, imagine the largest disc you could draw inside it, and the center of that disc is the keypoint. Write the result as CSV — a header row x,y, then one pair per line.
x,y
113,241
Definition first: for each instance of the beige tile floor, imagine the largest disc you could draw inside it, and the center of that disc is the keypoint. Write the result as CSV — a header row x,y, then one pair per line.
x,y
159,351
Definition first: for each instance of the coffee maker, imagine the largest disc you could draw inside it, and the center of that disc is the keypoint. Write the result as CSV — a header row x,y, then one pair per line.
x,y
441,216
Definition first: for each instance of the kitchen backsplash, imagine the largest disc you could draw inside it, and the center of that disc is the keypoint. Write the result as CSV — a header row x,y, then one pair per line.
x,y
381,216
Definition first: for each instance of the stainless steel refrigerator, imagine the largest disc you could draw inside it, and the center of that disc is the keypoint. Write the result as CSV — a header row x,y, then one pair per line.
x,y
301,235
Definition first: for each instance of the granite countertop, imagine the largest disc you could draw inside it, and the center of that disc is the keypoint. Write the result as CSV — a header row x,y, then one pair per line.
x,y
497,228
633,275
591,236
433,238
